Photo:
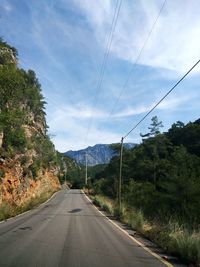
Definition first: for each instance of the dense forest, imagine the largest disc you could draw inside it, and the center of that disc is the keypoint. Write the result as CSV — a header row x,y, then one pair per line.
x,y
160,188
161,176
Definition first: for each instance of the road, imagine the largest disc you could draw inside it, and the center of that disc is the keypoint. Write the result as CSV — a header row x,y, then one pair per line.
x,y
68,231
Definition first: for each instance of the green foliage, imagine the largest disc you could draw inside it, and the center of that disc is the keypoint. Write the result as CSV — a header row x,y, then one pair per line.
x,y
160,173
70,171
154,128
22,107
185,244
161,184
14,139
187,135
94,170
34,168
5,211
2,173
11,210
105,203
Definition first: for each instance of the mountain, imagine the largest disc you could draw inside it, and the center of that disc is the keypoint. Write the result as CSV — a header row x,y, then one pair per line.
x,y
98,154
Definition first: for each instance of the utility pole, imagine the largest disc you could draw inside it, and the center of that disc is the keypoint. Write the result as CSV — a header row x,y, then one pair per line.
x,y
65,168
120,176
85,168
65,174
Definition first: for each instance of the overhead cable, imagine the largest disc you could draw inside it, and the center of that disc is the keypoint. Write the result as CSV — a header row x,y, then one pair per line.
x,y
137,59
163,98
105,59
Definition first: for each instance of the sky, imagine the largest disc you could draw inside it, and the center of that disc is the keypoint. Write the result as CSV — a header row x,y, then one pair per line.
x,y
65,41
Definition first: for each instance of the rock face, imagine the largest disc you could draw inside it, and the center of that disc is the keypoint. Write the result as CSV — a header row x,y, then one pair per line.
x,y
98,154
7,55
17,187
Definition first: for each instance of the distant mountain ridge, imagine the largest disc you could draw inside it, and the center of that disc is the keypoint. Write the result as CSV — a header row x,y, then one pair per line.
x,y
98,154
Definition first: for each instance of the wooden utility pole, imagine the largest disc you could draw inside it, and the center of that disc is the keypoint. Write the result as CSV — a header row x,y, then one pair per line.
x,y
120,176
85,168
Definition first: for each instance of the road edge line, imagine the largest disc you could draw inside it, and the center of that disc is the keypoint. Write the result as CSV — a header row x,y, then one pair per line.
x,y
18,215
168,264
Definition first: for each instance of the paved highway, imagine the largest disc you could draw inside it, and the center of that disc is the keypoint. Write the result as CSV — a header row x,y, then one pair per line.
x,y
68,231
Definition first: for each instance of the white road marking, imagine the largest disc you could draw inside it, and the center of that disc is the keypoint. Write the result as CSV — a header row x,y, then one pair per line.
x,y
11,218
131,237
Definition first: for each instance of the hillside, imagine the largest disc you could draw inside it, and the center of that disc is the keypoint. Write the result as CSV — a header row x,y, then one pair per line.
x,y
98,154
29,164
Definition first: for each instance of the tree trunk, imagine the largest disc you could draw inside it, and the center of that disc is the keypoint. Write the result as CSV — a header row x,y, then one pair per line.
x,y
1,138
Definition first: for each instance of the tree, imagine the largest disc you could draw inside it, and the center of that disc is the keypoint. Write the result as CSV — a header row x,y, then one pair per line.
x,y
154,132
154,128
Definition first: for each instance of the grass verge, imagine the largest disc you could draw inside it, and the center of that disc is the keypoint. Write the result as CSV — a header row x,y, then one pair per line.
x,y
11,210
173,238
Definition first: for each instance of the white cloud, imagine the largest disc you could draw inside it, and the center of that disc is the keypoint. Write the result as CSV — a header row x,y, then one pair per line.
x,y
71,132
130,111
74,142
175,101
84,112
174,42
71,124
7,6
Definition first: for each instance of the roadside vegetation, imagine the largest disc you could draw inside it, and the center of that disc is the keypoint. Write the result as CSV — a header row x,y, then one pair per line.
x,y
161,188
10,210
172,237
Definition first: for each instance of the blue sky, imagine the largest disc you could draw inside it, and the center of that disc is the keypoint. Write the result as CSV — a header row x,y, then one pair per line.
x,y
64,42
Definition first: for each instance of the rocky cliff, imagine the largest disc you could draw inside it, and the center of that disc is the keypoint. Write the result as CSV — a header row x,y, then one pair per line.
x,y
16,187
29,164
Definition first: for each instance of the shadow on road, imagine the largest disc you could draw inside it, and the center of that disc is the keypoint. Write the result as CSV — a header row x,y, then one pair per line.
x,y
75,210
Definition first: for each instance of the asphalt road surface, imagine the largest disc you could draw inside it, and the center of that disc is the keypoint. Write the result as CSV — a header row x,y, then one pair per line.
x,y
68,231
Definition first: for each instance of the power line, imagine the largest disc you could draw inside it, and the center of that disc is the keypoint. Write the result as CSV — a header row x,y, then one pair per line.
x,y
137,59
162,98
105,59
122,140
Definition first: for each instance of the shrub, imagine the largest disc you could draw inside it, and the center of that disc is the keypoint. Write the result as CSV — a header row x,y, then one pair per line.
x,y
2,173
34,168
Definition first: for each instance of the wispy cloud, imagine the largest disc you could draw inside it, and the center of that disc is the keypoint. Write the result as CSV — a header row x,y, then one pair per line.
x,y
174,43
85,112
68,124
6,6
64,42
69,130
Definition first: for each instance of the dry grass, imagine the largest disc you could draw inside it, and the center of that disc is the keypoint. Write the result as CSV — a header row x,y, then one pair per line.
x,y
172,237
10,210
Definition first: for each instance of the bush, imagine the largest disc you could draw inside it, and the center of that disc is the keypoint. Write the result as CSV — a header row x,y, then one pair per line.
x,y
34,168
14,139
8,210
186,245
24,160
105,203
2,173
